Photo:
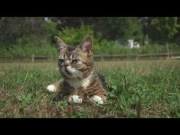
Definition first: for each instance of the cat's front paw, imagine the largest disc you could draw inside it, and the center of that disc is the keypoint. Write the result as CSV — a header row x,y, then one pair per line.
x,y
51,88
75,99
97,99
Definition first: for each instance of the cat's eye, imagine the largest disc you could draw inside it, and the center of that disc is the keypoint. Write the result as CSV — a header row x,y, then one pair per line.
x,y
75,61
61,60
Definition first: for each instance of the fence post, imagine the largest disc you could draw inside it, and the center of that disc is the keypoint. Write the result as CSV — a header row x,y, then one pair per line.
x,y
136,57
151,56
102,58
168,50
33,58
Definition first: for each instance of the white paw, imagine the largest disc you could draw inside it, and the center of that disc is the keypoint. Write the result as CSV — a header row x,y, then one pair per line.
x,y
75,99
51,88
97,99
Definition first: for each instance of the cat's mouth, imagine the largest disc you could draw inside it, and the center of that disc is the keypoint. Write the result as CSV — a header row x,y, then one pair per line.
x,y
67,71
71,72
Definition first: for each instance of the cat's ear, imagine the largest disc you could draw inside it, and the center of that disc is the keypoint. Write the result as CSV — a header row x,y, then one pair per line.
x,y
87,44
60,43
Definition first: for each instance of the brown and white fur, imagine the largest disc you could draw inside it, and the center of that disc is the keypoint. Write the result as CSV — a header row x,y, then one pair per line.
x,y
80,80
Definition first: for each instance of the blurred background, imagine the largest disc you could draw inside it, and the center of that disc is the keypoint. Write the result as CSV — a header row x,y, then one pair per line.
x,y
115,38
139,57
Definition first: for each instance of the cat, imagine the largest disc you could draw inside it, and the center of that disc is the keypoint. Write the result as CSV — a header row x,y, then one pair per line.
x,y
79,80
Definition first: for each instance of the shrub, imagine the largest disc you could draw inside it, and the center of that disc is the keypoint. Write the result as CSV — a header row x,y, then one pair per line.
x,y
74,36
45,44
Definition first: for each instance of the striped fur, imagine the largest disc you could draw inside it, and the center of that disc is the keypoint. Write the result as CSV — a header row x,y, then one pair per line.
x,y
77,69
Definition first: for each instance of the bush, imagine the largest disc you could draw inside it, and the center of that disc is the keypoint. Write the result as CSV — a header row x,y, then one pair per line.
x,y
156,48
29,49
74,36
110,47
45,44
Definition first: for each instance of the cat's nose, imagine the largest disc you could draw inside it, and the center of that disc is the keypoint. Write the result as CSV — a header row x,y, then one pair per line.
x,y
66,64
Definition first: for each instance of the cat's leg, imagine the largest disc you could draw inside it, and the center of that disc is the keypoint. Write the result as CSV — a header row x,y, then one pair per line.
x,y
75,99
98,99
53,87
72,98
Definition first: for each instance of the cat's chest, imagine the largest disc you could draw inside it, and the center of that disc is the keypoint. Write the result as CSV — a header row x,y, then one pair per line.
x,y
77,84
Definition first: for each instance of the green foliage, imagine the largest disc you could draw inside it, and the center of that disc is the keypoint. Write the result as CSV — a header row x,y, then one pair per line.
x,y
127,28
74,36
51,30
31,35
110,47
110,28
62,105
166,27
15,29
29,49
155,48
102,47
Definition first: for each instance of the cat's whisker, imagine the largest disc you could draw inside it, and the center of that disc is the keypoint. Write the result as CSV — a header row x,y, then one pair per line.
x,y
79,75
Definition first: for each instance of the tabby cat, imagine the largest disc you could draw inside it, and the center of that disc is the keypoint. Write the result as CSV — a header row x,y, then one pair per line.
x,y
80,80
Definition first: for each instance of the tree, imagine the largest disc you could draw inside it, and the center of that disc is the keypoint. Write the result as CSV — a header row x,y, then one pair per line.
x,y
163,29
111,28
17,29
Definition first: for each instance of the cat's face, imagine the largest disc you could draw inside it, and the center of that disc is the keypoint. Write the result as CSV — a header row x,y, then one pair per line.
x,y
75,63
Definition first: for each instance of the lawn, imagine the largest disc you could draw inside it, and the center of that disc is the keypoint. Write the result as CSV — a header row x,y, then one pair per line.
x,y
146,89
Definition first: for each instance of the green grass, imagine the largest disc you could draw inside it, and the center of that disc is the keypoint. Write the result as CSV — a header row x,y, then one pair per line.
x,y
146,89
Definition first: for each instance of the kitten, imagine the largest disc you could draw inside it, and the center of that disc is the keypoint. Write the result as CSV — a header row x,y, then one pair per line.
x,y
80,80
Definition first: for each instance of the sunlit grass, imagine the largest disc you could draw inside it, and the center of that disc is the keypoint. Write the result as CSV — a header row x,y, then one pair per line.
x,y
136,89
